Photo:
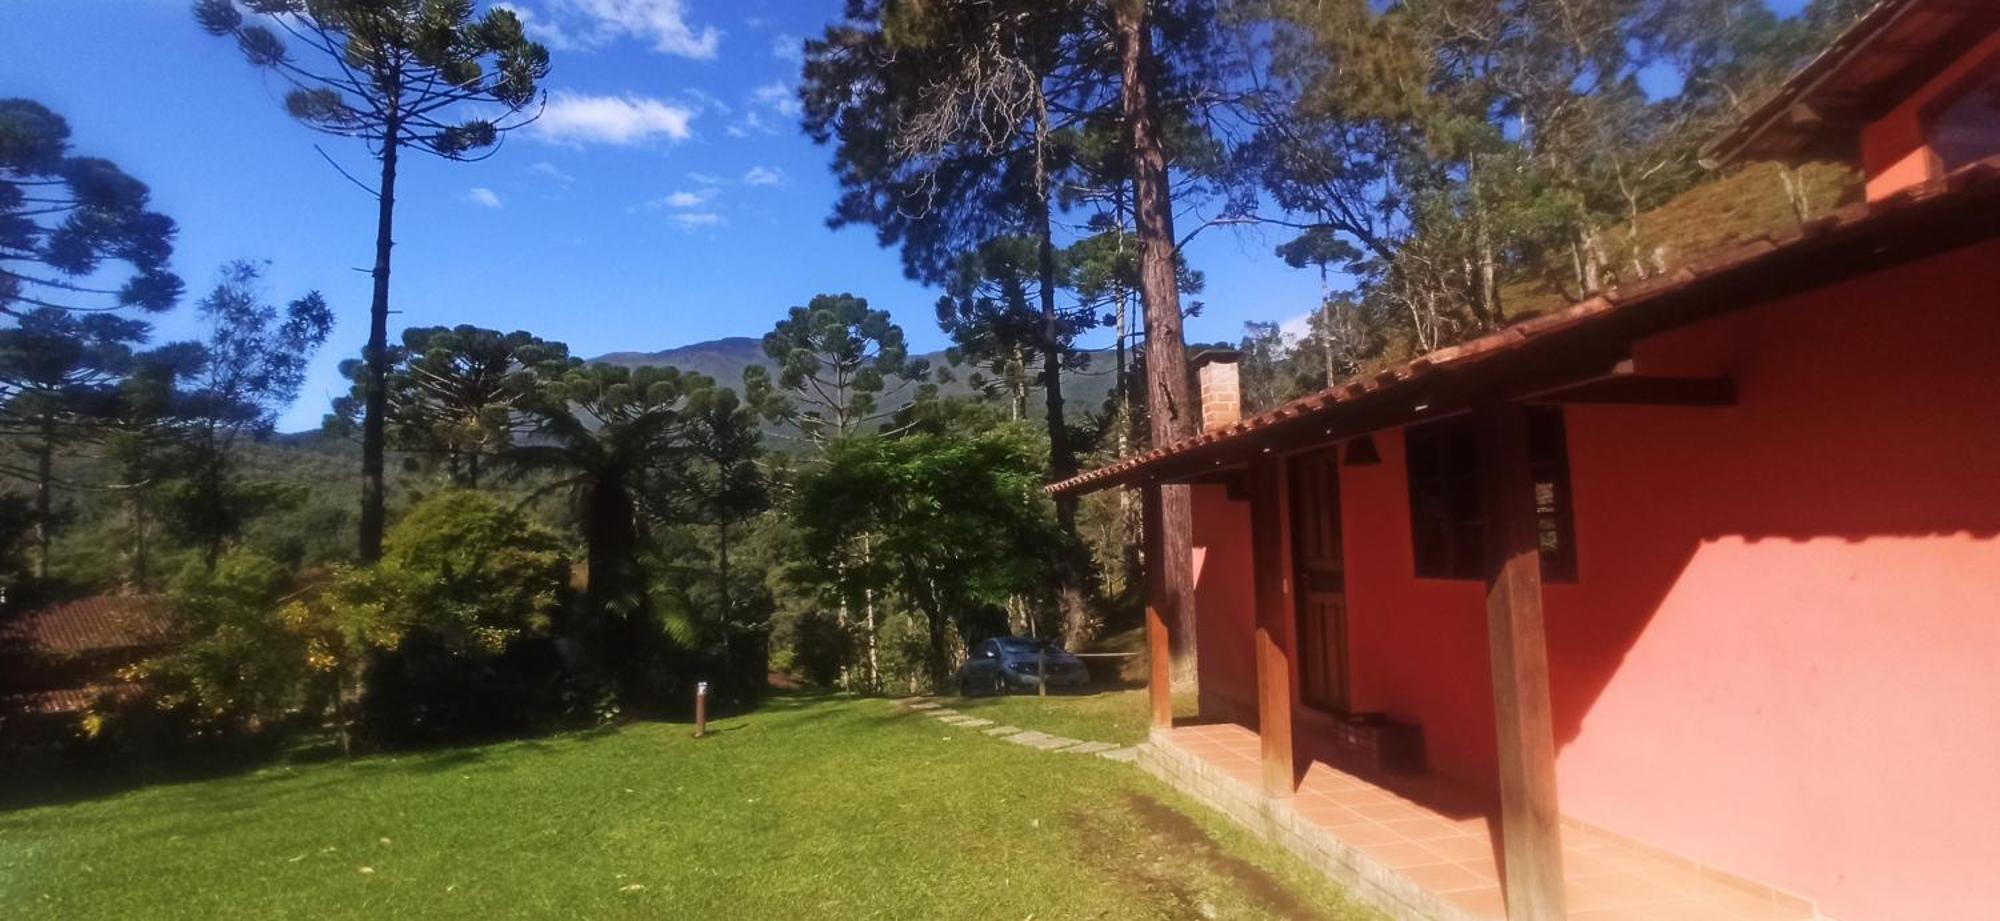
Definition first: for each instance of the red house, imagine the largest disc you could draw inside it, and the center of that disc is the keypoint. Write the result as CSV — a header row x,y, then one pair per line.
x,y
1682,602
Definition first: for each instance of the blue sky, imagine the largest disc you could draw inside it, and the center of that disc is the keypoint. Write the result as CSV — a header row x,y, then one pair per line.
x,y
668,197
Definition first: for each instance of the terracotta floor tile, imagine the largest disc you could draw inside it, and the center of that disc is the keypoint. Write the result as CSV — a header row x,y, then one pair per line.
x,y
1463,847
1401,854
1608,914
1366,834
1445,877
1424,828
1442,837
1588,865
1484,902
1390,812
1640,886
1329,815
1580,896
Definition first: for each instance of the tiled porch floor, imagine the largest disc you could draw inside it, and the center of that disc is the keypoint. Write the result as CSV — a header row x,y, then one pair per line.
x,y
1445,840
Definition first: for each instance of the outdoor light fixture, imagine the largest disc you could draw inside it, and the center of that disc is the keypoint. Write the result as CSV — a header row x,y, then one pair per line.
x,y
1361,453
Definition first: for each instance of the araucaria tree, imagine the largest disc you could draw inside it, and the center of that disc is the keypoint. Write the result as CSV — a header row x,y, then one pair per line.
x,y
460,395
841,367
421,75
63,217
63,220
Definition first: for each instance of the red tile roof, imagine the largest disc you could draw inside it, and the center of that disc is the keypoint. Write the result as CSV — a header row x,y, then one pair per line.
x,y
96,624
1890,52
1585,338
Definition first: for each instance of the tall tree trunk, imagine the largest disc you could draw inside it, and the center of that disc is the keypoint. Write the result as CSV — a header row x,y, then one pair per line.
x,y
611,541
868,618
1167,404
138,576
722,567
376,391
1326,328
45,496
1062,457
1070,564
1488,305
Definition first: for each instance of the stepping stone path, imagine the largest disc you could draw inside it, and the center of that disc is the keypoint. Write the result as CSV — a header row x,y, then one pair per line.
x,y
1041,740
1037,740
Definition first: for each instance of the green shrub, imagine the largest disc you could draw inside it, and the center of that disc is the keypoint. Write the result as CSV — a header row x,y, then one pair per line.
x,y
236,666
460,607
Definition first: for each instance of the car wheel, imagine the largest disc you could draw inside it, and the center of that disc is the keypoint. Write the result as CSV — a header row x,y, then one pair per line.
x,y
1000,685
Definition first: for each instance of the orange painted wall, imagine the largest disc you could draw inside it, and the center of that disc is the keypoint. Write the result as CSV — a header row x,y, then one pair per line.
x,y
1225,604
1783,655
1894,154
1417,647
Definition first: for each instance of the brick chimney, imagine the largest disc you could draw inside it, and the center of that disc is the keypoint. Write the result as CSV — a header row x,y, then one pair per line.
x,y
1221,396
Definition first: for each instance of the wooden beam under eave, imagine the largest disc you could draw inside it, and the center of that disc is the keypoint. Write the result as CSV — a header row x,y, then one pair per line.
x,y
1530,820
1273,640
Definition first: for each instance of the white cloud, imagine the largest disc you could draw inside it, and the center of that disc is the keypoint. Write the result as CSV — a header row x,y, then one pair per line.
x,y
1296,328
695,220
582,25
577,119
705,178
551,171
682,199
787,47
779,98
483,197
763,175
708,100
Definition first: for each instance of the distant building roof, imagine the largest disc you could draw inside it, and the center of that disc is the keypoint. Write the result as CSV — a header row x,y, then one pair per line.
x,y
1889,53
97,624
1958,210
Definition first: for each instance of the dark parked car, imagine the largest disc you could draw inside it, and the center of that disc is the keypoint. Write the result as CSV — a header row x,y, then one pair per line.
x,y
1008,663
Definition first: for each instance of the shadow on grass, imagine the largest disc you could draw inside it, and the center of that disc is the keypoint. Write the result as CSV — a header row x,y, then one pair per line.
x,y
1182,855
53,778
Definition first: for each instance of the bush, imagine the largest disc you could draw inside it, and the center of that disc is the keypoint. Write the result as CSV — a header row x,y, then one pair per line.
x,y
237,667
468,586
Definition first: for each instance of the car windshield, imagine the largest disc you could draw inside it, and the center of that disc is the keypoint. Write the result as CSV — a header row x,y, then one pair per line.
x,y
1020,647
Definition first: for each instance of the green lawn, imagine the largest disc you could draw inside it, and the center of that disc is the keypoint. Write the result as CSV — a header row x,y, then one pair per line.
x,y
1103,716
815,807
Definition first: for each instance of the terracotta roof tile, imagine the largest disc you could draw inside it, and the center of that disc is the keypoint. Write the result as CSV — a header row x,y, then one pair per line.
x,y
95,624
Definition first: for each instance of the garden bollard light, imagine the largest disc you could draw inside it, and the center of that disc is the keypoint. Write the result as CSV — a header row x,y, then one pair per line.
x,y
700,709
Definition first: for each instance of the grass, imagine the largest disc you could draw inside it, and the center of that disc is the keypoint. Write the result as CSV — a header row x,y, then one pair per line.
x,y
815,807
1120,716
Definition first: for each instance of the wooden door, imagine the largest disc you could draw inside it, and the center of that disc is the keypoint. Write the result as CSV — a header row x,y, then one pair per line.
x,y
1320,577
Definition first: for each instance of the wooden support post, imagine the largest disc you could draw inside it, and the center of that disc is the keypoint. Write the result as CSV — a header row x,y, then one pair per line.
x,y
1159,614
1274,660
1530,821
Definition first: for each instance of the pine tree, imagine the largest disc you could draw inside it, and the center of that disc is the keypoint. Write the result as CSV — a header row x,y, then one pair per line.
x,y
419,75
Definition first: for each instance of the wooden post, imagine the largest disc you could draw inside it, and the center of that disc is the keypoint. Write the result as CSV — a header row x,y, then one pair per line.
x,y
1274,661
1530,821
1159,615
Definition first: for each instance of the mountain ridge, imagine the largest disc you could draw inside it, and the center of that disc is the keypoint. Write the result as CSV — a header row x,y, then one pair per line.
x,y
726,358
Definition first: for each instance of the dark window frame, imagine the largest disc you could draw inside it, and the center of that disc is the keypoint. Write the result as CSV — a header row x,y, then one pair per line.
x,y
1447,527
1982,77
